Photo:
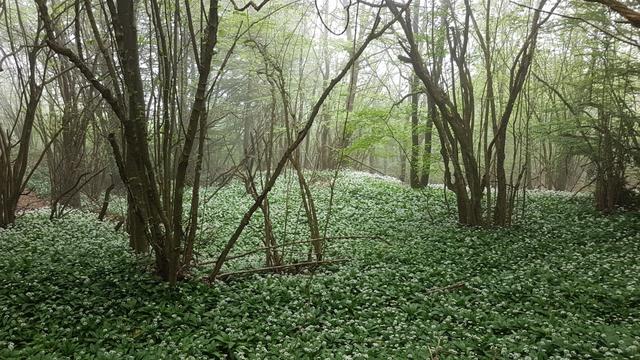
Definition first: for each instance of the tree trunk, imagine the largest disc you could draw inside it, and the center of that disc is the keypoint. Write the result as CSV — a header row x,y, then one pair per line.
x,y
414,166
428,143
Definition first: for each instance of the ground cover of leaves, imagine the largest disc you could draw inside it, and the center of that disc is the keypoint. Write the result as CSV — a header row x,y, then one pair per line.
x,y
562,283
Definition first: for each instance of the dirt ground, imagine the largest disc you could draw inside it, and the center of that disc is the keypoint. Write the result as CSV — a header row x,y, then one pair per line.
x,y
30,201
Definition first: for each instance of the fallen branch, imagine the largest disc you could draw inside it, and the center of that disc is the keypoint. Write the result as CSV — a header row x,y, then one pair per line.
x,y
299,242
288,268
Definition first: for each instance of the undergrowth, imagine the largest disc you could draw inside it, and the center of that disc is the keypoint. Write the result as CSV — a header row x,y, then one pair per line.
x,y
561,283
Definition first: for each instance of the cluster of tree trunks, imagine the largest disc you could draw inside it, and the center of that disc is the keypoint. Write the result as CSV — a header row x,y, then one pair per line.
x,y
464,174
155,211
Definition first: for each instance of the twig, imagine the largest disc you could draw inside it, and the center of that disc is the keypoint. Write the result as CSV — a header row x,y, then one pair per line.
x,y
365,165
584,187
619,38
296,267
251,4
251,252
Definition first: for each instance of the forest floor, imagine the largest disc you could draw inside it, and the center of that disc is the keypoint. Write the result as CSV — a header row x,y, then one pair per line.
x,y
29,200
562,283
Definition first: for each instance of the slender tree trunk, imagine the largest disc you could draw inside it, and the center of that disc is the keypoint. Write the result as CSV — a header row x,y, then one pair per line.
x,y
428,144
414,166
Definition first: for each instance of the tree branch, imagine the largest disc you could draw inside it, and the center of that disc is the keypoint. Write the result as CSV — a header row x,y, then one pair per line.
x,y
623,10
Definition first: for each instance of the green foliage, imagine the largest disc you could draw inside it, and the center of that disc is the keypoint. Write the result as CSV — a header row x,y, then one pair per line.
x,y
39,182
562,284
373,126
